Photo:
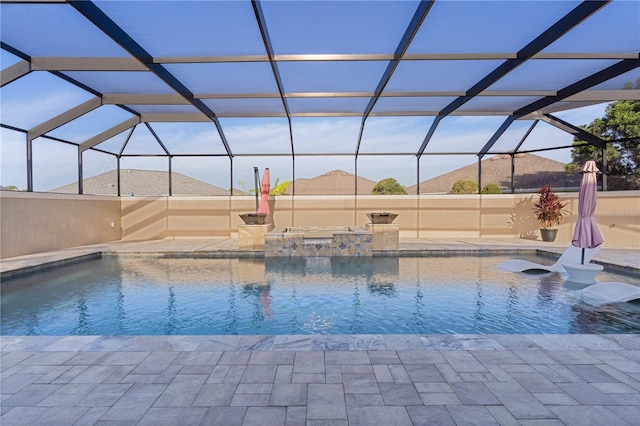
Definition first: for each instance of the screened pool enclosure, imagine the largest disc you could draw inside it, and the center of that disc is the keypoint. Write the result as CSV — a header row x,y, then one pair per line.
x,y
203,91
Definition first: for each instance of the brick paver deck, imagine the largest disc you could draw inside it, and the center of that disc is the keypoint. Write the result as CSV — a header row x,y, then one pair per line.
x,y
328,380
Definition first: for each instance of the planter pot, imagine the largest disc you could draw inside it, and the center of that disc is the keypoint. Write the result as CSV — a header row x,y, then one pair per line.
x,y
383,218
253,218
548,235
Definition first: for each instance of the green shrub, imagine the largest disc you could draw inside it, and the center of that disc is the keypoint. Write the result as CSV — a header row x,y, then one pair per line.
x,y
388,186
491,188
465,186
279,188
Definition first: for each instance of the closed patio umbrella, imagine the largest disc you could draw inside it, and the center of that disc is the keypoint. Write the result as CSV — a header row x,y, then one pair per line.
x,y
265,187
586,233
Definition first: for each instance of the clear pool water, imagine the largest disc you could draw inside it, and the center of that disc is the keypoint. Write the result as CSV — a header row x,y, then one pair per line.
x,y
135,296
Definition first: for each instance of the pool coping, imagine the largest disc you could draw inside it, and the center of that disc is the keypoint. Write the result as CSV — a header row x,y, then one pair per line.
x,y
18,272
322,342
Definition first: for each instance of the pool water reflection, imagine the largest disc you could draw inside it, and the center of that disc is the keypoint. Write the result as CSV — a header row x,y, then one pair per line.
x,y
425,295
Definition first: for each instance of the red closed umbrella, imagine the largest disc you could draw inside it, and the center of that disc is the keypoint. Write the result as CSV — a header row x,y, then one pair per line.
x,y
265,187
586,233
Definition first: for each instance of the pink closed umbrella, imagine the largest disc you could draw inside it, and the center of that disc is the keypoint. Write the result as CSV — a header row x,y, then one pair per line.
x,y
586,234
265,187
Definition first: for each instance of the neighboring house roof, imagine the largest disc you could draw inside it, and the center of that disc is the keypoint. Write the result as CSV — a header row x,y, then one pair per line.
x,y
335,182
531,172
144,182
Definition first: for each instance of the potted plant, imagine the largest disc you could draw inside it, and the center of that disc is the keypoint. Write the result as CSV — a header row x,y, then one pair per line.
x,y
549,212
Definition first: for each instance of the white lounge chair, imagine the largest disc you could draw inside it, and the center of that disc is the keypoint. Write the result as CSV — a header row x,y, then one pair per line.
x,y
610,292
572,254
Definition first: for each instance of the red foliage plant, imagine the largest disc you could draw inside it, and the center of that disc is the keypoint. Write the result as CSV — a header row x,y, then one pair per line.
x,y
548,209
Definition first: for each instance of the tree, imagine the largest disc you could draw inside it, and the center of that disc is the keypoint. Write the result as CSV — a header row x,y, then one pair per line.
x,y
388,186
279,188
491,188
465,186
621,125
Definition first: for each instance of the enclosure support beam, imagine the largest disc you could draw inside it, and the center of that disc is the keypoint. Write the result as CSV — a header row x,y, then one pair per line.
x,y
29,164
14,72
109,133
65,117
80,172
575,131
503,128
264,32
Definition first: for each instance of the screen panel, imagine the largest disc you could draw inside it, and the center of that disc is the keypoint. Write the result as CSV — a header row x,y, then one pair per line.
x,y
325,135
280,171
327,76
122,82
91,124
245,107
463,134
411,104
100,173
189,28
337,27
439,76
226,78
13,160
53,30
141,176
200,176
549,74
257,135
623,36
394,134
456,26
189,138
439,172
55,166
36,98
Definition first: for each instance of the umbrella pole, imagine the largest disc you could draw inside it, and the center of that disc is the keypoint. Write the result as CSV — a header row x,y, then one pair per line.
x,y
255,185
582,259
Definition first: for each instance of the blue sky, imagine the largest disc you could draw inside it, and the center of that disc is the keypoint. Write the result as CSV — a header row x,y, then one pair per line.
x,y
294,28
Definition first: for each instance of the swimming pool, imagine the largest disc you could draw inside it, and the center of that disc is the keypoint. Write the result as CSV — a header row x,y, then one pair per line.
x,y
316,295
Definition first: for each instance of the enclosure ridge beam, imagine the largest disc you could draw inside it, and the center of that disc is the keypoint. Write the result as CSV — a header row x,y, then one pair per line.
x,y
360,57
14,72
96,16
65,117
410,32
575,131
108,134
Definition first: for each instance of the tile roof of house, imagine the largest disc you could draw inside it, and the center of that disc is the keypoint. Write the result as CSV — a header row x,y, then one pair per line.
x,y
531,172
335,182
143,182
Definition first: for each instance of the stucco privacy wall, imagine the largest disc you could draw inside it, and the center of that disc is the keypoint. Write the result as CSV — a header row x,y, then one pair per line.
x,y
39,222
425,216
